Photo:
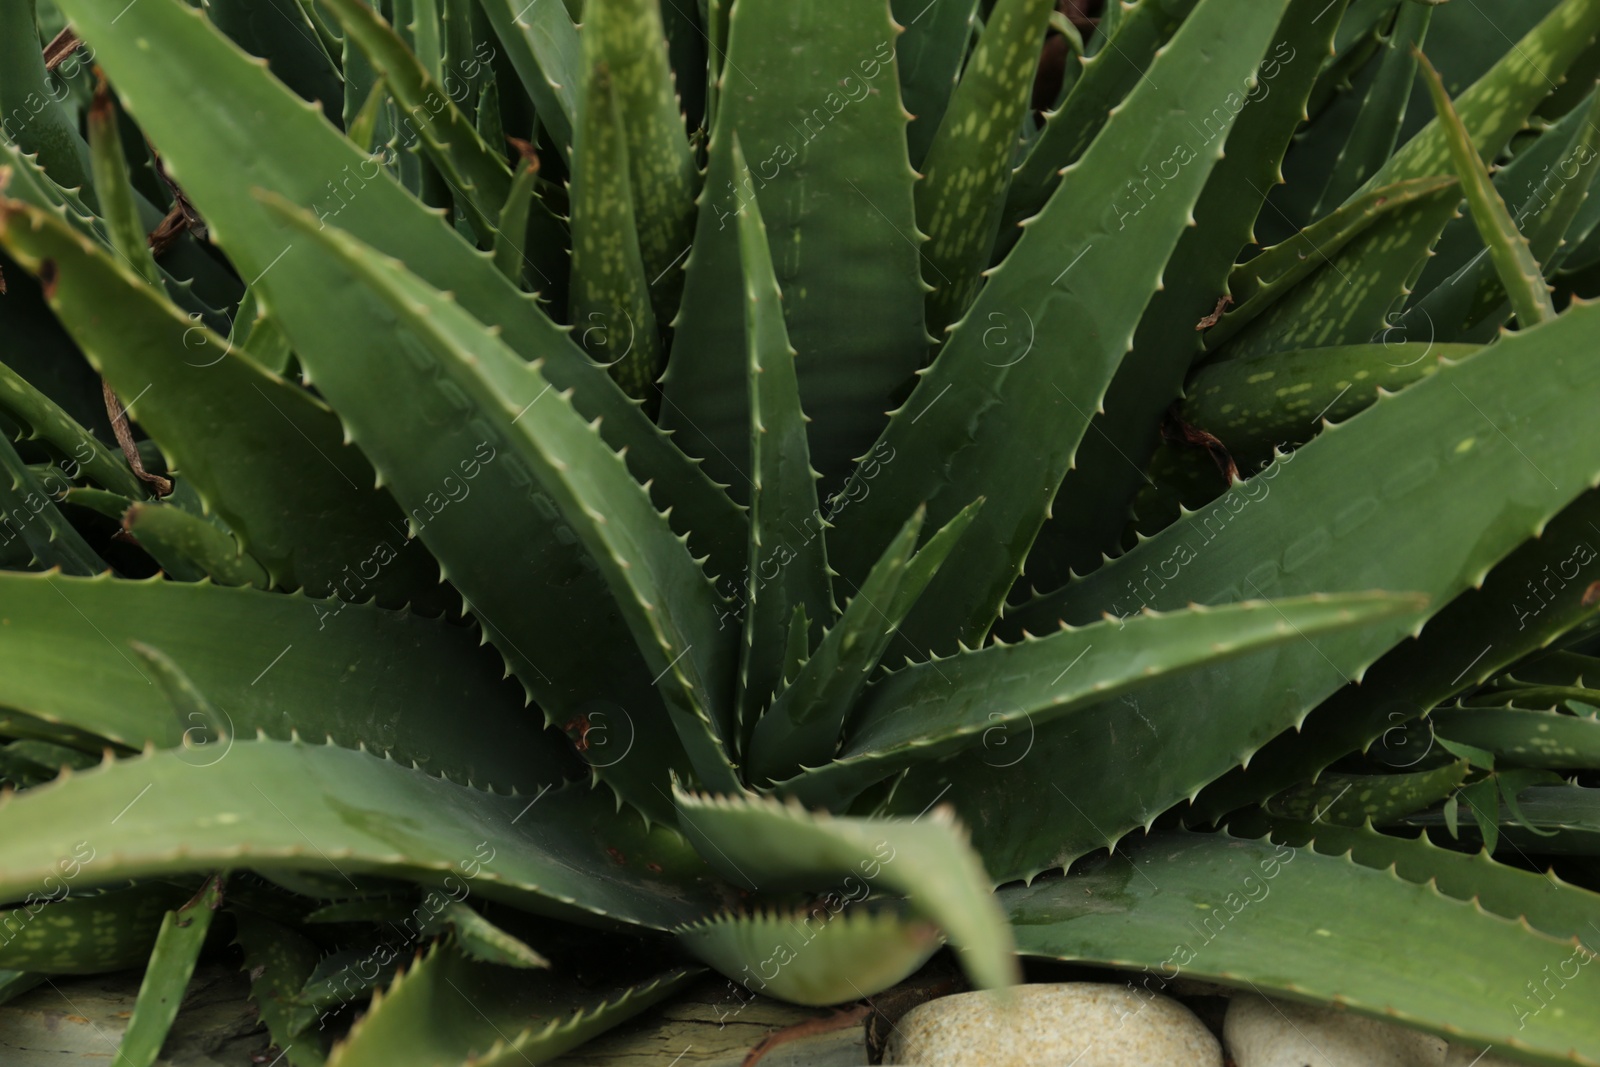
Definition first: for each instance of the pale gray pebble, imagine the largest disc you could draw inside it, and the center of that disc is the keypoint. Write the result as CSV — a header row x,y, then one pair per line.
x,y
1086,1024
1281,1033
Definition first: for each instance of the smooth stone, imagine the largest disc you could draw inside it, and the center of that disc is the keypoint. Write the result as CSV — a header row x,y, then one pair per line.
x,y
1282,1033
1086,1024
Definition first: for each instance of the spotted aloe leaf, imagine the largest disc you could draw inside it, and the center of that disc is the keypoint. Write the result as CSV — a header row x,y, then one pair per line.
x,y
212,151
1519,271
177,949
1378,267
967,167
973,405
50,932
610,293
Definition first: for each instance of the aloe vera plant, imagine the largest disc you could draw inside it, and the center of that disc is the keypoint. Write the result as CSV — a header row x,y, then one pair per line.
x,y
602,474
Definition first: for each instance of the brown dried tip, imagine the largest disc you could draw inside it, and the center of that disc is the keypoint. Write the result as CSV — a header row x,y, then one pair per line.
x,y
1178,432
1591,595
525,150
1224,302
47,277
60,47
101,108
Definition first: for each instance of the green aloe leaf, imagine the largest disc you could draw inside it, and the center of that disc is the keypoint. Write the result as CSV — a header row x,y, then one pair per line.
x,y
928,57
803,725
268,457
177,948
324,810
1549,904
354,672
1519,272
1278,920
821,124
933,710
282,33
1490,420
1098,273
478,175
1519,737
1353,296
173,535
210,114
1545,819
1355,799
28,511
1260,282
32,99
1383,109
50,932
279,960
788,568
83,454
481,940
123,225
1536,587
1109,77
1109,469
1278,400
1545,185
577,492
661,170
447,1009
542,44
845,954
764,845
610,293
967,168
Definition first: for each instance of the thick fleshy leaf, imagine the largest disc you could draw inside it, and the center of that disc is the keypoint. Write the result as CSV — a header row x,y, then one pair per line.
x,y
846,955
353,672
166,977
1504,418
1356,799
928,56
1095,272
762,845
50,932
821,124
325,810
591,516
998,697
1520,273
968,166
267,456
804,723
448,1010
1279,920
210,114
788,565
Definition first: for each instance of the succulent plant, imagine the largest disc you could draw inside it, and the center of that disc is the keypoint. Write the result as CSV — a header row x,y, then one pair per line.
x,y
514,566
